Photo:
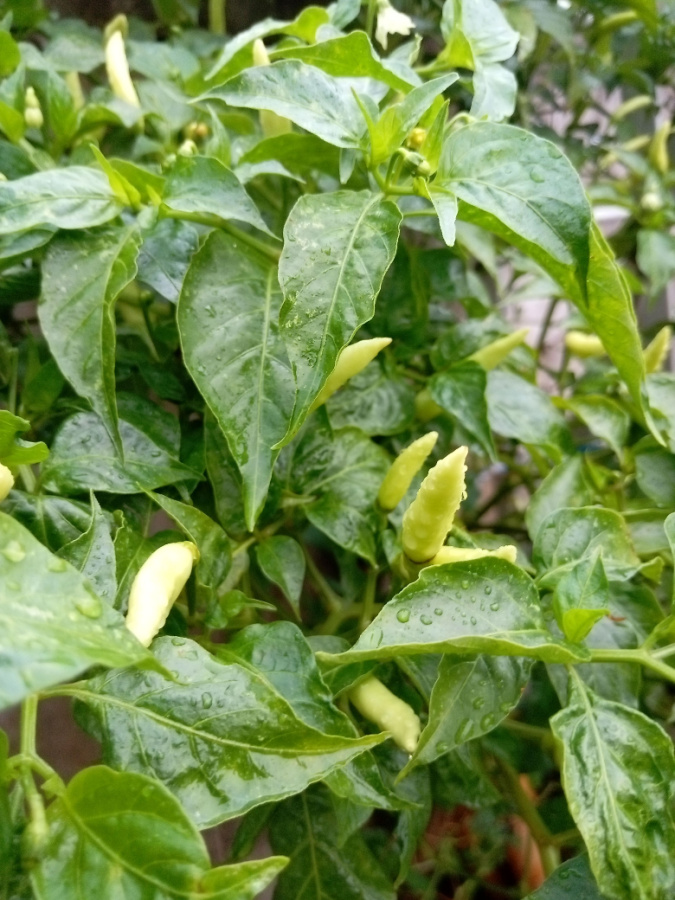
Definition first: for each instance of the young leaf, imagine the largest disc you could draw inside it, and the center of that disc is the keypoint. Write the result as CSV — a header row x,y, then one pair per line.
x,y
581,597
218,735
337,248
106,829
227,318
618,771
52,624
81,279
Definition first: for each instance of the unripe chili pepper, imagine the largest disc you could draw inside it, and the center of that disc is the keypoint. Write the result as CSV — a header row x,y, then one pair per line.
x,y
426,407
156,587
655,353
632,105
404,468
461,554
271,123
350,362
658,148
584,345
33,112
429,517
376,703
116,63
72,79
490,356
6,481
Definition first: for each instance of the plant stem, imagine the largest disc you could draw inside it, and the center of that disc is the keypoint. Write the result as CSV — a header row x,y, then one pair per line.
x,y
370,17
217,16
333,601
662,652
29,725
212,221
546,323
530,732
648,660
550,856
368,600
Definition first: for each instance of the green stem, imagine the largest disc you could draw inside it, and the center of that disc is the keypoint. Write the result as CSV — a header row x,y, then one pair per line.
x,y
332,600
662,652
547,322
641,657
29,725
368,600
13,379
28,479
217,17
212,221
370,17
550,855
542,736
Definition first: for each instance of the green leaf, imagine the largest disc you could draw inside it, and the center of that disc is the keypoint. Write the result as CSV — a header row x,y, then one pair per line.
x,y
218,735
280,653
655,473
82,276
106,830
227,317
568,535
669,528
83,456
225,479
469,698
568,484
306,830
618,771
582,597
348,56
343,472
310,98
661,391
522,188
74,197
476,32
165,256
52,624
282,561
392,128
214,546
377,400
54,521
337,248
604,418
461,392
201,184
656,258
572,878
519,409
10,55
482,606
295,152
93,554
13,451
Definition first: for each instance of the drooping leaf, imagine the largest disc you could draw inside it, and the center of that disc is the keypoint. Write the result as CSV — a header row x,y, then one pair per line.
x,y
482,606
282,561
337,248
93,553
106,830
81,279
52,624
218,735
227,317
618,771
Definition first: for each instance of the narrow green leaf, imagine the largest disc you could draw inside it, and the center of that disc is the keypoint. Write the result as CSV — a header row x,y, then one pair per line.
x,y
81,279
218,735
52,624
74,197
482,606
227,318
337,248
618,772
106,829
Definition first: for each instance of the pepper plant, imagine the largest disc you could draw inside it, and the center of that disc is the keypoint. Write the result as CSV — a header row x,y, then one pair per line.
x,y
239,278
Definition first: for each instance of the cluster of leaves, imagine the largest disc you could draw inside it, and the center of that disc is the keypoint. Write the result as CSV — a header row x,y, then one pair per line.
x,y
201,258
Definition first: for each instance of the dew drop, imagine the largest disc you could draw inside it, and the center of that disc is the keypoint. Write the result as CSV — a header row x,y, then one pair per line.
x,y
438,611
403,615
14,552
464,730
207,700
89,606
505,707
537,176
426,620
473,620
488,589
57,565
478,703
442,747
458,595
487,721
494,607
465,584
177,641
